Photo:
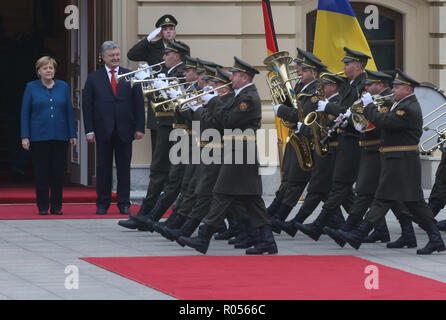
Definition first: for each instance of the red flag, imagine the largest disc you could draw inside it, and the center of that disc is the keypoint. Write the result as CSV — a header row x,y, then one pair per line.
x,y
270,33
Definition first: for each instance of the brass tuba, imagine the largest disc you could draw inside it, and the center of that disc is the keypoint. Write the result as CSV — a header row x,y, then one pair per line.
x,y
279,81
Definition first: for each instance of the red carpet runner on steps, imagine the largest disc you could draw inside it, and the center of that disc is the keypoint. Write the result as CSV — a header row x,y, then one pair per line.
x,y
19,203
271,278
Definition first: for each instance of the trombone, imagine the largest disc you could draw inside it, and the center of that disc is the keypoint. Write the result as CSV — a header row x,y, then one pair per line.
x,y
134,81
182,102
439,134
128,76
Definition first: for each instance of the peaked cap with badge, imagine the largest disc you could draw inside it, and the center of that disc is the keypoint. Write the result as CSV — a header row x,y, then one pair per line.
x,y
190,63
402,78
352,55
166,20
221,76
242,66
202,63
178,47
378,76
328,77
311,61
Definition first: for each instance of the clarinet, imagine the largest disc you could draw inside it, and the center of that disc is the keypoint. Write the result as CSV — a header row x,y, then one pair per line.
x,y
333,131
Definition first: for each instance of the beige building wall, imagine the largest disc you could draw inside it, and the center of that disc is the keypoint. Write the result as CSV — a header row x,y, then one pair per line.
x,y
217,30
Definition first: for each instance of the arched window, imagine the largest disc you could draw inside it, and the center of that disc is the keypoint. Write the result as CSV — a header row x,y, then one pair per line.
x,y
386,42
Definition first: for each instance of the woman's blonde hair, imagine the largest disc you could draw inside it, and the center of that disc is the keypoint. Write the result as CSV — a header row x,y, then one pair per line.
x,y
43,62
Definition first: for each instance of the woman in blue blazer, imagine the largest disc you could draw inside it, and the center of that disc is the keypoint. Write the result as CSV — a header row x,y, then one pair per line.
x,y
47,126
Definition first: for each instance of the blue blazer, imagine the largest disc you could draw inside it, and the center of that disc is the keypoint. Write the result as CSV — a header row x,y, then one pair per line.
x,y
47,115
103,111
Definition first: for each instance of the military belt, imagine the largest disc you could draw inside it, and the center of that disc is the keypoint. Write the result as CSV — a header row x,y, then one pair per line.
x,y
164,114
368,143
398,148
238,138
333,144
210,145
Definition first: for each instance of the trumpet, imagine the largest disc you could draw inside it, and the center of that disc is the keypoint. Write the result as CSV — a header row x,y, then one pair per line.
x,y
149,91
358,110
182,102
128,76
134,81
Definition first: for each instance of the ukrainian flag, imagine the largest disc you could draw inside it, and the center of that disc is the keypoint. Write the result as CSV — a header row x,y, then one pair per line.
x,y
336,28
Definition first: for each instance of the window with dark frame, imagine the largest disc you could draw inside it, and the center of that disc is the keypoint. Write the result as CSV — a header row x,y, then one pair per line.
x,y
386,42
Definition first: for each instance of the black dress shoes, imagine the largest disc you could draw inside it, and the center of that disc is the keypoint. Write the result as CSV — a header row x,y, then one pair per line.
x,y
43,212
57,212
101,211
124,210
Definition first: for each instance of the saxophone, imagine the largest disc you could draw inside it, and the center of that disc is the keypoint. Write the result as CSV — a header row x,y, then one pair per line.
x,y
318,123
277,64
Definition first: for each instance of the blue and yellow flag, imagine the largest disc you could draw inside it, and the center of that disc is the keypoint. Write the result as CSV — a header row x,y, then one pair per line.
x,y
336,28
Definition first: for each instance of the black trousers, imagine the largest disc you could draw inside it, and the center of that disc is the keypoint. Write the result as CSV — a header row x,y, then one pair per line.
x,y
419,210
104,171
49,159
222,203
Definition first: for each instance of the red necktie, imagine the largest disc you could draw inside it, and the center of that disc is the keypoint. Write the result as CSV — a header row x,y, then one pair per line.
x,y
113,81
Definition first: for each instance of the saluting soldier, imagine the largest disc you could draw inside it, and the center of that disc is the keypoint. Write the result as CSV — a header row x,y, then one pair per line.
x,y
348,151
400,177
238,181
152,52
174,55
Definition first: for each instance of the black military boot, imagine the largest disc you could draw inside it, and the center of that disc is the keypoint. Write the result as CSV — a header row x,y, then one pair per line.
x,y
200,242
407,238
232,231
132,223
273,207
335,235
336,221
281,214
380,234
155,215
267,244
175,224
355,237
186,230
441,225
221,229
315,229
435,241
252,237
351,222
290,226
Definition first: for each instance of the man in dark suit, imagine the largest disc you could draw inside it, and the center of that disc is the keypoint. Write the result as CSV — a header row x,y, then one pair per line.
x,y
113,118
152,51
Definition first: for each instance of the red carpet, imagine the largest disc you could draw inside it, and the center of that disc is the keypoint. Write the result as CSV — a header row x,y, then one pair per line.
x,y
71,194
71,211
271,278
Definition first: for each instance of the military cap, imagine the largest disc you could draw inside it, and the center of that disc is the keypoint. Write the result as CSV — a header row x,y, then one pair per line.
x,y
202,63
242,66
190,63
352,55
174,46
311,61
301,56
402,78
377,76
166,20
210,73
328,77
221,76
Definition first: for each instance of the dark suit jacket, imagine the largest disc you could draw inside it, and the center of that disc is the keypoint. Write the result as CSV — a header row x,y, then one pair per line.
x,y
103,110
